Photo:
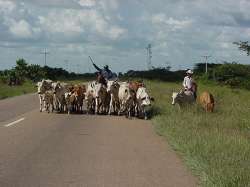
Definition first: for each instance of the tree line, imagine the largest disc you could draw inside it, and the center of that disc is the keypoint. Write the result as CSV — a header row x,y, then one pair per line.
x,y
24,71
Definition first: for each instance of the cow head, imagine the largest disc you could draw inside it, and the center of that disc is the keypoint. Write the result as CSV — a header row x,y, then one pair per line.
x,y
43,86
113,86
56,86
109,84
100,90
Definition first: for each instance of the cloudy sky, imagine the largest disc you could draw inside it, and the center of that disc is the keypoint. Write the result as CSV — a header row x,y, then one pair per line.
x,y
116,32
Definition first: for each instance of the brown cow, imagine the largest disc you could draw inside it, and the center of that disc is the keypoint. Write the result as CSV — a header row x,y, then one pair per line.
x,y
206,100
79,91
135,85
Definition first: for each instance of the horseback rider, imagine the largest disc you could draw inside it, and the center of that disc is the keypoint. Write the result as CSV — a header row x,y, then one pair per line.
x,y
106,73
189,84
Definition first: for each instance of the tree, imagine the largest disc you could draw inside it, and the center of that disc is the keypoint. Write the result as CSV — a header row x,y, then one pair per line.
x,y
243,46
35,72
21,69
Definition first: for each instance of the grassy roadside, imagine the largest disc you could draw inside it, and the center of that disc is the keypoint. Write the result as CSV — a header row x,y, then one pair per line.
x,y
10,91
215,146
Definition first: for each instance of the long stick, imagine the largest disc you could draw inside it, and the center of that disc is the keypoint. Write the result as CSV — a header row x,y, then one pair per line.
x,y
91,59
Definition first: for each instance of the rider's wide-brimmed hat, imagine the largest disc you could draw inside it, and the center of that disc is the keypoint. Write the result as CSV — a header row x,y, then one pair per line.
x,y
189,71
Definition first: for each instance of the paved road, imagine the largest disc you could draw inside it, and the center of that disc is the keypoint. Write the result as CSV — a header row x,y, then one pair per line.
x,y
43,150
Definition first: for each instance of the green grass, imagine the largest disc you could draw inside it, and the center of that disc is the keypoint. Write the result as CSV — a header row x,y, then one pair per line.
x,y
10,91
215,146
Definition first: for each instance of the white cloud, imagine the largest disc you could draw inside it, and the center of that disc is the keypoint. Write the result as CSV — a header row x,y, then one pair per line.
x,y
72,22
108,5
87,3
66,22
116,32
7,6
22,29
162,19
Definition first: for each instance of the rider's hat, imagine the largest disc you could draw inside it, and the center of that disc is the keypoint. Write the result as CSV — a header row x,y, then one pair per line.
x,y
106,66
189,72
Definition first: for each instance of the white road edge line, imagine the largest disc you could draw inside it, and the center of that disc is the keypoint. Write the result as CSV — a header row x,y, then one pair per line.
x,y
14,122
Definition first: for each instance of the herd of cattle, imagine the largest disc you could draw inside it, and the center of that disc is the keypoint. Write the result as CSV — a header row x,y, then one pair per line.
x,y
129,98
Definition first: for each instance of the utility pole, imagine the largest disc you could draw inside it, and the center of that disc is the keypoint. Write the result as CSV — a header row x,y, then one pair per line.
x,y
45,53
149,56
206,57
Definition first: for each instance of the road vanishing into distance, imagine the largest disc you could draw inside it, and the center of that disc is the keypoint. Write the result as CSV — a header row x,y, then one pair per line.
x,y
44,150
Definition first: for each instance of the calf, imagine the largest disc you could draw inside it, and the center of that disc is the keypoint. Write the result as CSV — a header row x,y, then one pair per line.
x,y
206,100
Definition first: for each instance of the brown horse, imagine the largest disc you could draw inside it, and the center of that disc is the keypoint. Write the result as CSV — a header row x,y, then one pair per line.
x,y
101,79
194,89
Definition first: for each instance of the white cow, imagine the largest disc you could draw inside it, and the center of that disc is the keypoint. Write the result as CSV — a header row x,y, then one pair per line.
x,y
90,96
182,98
42,87
143,101
70,100
125,99
48,99
59,91
101,98
113,90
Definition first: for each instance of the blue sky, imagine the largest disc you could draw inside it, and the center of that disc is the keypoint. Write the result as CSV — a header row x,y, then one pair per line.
x,y
116,32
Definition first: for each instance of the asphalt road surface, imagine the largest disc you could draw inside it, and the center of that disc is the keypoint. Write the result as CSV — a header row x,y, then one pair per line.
x,y
44,150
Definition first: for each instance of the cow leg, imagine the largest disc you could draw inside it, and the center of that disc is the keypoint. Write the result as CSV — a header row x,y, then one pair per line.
x,y
52,110
136,110
120,109
111,105
117,106
69,108
129,112
145,114
41,103
96,105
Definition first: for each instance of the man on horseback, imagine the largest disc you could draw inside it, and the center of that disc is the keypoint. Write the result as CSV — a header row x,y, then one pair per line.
x,y
106,73
189,84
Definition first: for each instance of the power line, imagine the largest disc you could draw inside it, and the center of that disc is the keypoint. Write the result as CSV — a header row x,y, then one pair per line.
x,y
45,53
206,57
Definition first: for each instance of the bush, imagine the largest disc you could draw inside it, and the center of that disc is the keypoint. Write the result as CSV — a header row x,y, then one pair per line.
x,y
232,74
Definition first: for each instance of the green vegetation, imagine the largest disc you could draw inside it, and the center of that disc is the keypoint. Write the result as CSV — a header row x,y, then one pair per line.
x,y
216,146
22,78
24,71
232,74
10,91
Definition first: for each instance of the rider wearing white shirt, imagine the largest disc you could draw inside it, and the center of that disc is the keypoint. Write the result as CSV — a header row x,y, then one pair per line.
x,y
188,81
189,84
